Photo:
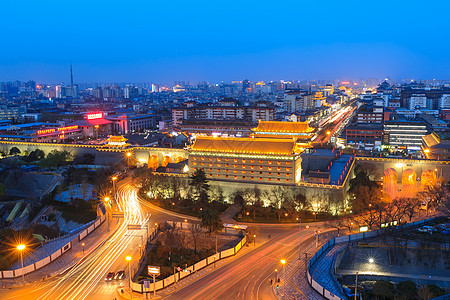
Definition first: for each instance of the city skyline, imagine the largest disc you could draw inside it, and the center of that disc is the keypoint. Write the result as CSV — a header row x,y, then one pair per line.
x,y
200,42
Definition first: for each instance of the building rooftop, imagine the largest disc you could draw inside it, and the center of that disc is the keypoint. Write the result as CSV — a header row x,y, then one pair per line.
x,y
245,145
92,122
279,126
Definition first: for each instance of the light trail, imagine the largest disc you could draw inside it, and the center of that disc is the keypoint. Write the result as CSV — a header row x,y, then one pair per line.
x,y
81,280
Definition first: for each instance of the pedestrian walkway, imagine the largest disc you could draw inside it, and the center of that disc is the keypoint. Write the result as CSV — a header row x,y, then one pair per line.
x,y
322,271
229,213
297,287
68,259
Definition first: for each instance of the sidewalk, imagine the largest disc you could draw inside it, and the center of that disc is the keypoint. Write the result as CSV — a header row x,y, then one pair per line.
x,y
68,259
229,213
297,285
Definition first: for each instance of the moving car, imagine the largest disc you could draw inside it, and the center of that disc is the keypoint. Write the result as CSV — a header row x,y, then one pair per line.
x,y
425,230
119,275
110,276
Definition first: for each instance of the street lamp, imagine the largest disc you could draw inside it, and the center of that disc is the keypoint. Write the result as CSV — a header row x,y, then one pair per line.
x,y
114,178
371,260
128,259
173,203
283,262
82,244
254,240
128,154
22,247
107,215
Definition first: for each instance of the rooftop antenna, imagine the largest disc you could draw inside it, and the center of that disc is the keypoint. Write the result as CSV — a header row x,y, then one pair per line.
x,y
71,76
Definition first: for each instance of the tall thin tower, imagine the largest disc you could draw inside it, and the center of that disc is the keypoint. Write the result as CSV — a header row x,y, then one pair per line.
x,y
71,76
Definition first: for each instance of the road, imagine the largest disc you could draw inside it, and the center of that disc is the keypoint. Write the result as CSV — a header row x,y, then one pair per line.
x,y
248,276
86,279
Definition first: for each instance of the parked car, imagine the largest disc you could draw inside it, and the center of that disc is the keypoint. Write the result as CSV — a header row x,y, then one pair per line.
x,y
119,275
429,228
110,276
425,230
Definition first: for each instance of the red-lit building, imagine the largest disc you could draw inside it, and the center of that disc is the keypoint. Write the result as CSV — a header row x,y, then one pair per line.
x,y
94,125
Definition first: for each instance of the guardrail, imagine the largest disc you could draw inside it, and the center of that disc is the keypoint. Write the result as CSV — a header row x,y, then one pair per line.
x,y
346,239
159,285
45,261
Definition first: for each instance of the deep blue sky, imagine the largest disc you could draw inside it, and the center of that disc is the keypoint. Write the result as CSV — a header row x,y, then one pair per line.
x,y
163,40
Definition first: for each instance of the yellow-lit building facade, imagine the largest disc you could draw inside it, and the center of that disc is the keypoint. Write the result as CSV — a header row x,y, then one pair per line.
x,y
247,160
300,132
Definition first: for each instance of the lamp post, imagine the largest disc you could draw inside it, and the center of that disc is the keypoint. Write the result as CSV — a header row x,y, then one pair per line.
x,y
22,247
128,259
107,215
113,179
254,240
356,285
283,262
82,245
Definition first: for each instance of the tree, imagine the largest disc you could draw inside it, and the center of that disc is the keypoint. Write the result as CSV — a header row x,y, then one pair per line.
x,y
56,159
14,151
199,183
384,289
252,199
196,233
210,219
407,289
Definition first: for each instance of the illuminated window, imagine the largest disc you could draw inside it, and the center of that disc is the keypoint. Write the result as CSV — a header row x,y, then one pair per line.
x,y
195,157
287,163
269,179
219,159
278,174
210,159
243,177
278,179
218,170
243,166
235,160
251,172
243,161
202,164
210,175
194,163
218,175
287,180
278,162
226,176
226,159
251,167
270,162
210,164
287,174
278,168
243,172
260,173
260,178
287,169
252,178
234,166
270,173
226,171
234,176
210,170
269,168
260,167
234,171
202,158
260,161
252,161
227,165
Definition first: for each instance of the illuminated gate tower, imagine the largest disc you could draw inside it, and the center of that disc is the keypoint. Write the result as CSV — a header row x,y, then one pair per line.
x,y
300,132
255,160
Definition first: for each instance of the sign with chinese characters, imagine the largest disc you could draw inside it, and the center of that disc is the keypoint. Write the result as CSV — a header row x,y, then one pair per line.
x,y
45,131
67,128
152,270
94,116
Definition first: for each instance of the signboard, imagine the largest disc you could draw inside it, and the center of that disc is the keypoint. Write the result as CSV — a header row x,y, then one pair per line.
x,y
94,116
45,131
134,227
147,284
67,128
152,270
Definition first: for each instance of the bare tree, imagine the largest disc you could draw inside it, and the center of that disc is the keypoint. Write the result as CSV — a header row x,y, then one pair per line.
x,y
196,232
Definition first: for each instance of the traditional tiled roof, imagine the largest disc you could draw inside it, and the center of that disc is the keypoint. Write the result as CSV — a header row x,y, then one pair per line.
x,y
278,126
245,145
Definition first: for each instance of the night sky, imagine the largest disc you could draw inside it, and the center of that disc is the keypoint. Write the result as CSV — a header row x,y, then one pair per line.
x,y
163,41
